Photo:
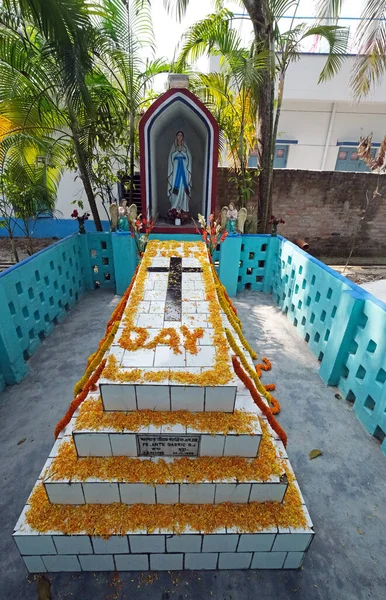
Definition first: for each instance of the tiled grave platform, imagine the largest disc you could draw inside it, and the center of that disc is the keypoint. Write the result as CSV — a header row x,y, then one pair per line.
x,y
170,464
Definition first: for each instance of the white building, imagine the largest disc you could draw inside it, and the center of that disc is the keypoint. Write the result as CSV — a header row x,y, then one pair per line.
x,y
320,124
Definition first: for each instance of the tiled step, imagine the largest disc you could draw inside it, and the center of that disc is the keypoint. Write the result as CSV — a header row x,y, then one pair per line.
x,y
120,438
97,491
226,548
167,396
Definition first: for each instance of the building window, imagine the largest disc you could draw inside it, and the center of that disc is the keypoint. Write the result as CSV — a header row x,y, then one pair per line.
x,y
279,161
348,160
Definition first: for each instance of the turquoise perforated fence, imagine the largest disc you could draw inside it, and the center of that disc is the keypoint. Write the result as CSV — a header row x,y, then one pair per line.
x,y
253,262
344,326
34,295
101,258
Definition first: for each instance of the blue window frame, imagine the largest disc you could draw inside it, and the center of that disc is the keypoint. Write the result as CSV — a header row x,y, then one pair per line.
x,y
348,159
279,161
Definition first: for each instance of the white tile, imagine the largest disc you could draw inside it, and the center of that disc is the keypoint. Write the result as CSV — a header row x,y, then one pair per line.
x,y
153,397
57,564
212,445
202,306
142,357
143,307
92,444
129,562
64,493
118,397
193,321
205,561
137,493
196,294
123,444
220,398
292,542
73,544
149,284
101,493
117,352
156,307
220,542
294,560
242,445
34,544
237,493
147,543
166,562
183,543
178,429
186,287
198,493
158,295
167,494
267,492
165,357
100,562
34,564
188,307
256,542
116,544
207,338
161,261
187,398
204,358
230,560
268,560
191,262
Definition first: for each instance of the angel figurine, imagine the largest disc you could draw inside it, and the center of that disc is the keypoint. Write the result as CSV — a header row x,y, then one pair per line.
x,y
233,221
127,215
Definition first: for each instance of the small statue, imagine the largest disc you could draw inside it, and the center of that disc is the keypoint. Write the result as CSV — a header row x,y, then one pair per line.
x,y
126,216
114,216
233,221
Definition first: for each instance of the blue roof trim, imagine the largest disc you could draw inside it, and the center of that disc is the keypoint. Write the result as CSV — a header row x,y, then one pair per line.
x,y
287,141
356,144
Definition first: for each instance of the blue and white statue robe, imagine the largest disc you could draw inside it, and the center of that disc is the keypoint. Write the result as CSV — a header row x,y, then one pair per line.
x,y
179,178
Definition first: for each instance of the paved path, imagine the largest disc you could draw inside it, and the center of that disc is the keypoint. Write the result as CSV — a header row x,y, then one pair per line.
x,y
344,489
377,288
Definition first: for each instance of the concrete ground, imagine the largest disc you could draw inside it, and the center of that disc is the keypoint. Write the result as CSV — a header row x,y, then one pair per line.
x,y
344,489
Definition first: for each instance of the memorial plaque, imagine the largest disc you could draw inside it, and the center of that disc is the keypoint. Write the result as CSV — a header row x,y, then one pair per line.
x,y
168,445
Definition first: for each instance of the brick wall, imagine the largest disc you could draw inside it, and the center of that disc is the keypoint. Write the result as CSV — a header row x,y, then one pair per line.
x,y
324,208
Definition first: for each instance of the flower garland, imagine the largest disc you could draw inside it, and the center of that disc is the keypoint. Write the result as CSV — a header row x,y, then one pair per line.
x,y
258,400
234,321
223,288
262,389
79,399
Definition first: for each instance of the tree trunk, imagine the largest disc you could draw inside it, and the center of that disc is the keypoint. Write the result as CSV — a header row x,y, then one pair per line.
x,y
13,246
263,32
84,175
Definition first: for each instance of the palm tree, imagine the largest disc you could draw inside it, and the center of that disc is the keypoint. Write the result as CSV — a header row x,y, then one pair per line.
x,y
29,178
231,94
275,51
45,81
126,30
370,64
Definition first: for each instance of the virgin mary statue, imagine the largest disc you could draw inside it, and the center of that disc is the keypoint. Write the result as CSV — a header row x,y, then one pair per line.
x,y
179,174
